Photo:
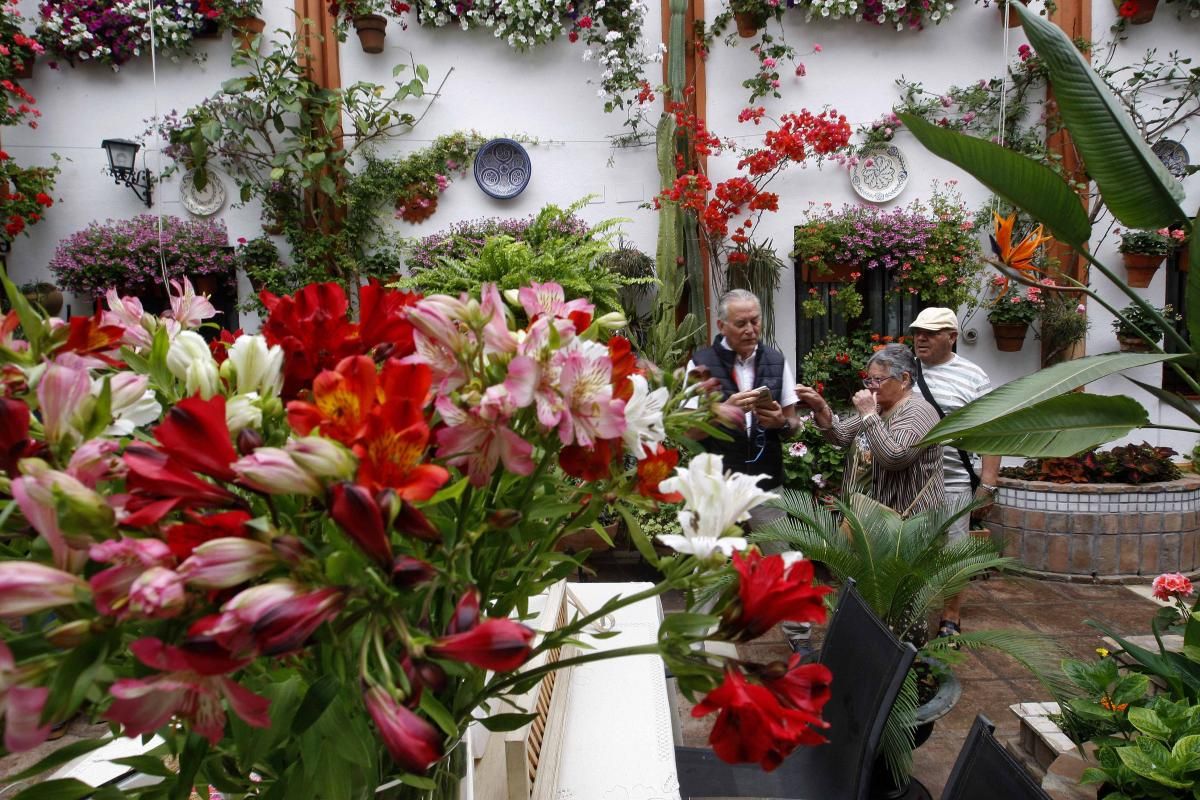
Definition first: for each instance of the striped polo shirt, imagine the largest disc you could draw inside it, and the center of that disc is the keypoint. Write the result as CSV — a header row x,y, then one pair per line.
x,y
953,385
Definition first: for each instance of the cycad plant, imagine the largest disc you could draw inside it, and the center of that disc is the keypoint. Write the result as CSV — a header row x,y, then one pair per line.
x,y
905,570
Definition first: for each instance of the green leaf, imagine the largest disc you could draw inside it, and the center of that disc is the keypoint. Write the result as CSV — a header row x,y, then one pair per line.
x,y
277,173
438,713
327,185
189,764
506,722
1061,426
73,678
31,320
62,789
60,756
1036,388
451,492
1191,302
315,701
315,159
415,88
147,765
1185,754
211,131
1136,186
396,70
1017,178
1148,767
235,85
418,782
423,73
1173,399
1146,721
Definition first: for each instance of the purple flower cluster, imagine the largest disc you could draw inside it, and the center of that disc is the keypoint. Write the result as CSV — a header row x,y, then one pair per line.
x,y
114,31
887,239
464,239
126,254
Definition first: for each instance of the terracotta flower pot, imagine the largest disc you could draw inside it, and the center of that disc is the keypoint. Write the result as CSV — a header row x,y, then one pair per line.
x,y
1133,344
1010,15
748,24
828,273
1183,260
245,29
1010,336
372,28
1140,268
1144,13
51,300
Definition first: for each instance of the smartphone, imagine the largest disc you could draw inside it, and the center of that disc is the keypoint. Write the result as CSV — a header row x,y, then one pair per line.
x,y
764,396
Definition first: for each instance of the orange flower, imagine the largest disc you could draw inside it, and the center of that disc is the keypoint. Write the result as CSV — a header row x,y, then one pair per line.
x,y
1106,702
1021,256
653,470
342,400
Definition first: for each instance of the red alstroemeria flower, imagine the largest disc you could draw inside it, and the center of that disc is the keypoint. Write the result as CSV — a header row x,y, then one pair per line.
x,y
466,613
412,740
89,336
143,705
771,592
195,436
219,347
500,645
312,328
804,687
159,485
653,470
15,443
589,463
751,726
382,320
355,511
288,625
20,707
624,364
393,446
342,399
185,537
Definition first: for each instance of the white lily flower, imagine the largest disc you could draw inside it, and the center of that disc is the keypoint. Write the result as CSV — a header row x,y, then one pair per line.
x,y
703,547
713,500
243,411
134,404
255,366
644,418
190,361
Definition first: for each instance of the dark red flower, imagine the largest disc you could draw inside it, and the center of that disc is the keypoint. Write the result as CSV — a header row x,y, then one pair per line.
x,y
355,511
804,687
466,613
1128,8
219,347
185,537
752,726
44,200
287,626
408,572
589,463
412,741
14,434
412,522
88,336
312,328
161,484
194,434
496,644
653,470
769,593
382,320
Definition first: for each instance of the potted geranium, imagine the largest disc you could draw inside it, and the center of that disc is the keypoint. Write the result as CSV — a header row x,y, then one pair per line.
x,y
244,17
17,50
24,195
1143,252
1138,331
1012,309
43,294
127,254
367,18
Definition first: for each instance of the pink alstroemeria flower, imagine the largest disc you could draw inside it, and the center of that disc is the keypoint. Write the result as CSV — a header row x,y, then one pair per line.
x,y
143,705
96,460
20,707
439,338
412,740
227,562
479,438
188,308
272,618
130,557
64,396
272,470
38,493
585,382
27,587
547,299
497,337
127,313
157,593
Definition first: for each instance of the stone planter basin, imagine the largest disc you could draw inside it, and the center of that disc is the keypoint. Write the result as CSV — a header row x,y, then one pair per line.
x,y
1113,533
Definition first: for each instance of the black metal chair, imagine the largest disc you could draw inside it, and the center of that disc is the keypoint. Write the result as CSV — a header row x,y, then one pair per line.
x,y
985,770
868,664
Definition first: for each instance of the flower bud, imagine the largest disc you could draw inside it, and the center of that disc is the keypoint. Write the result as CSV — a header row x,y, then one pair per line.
x,y
255,367
248,440
411,740
242,413
323,457
408,572
504,518
411,522
496,644
222,563
190,361
290,549
272,470
157,593
27,587
70,635
432,676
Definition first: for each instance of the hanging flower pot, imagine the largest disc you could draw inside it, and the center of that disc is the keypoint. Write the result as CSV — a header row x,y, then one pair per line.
x,y
245,29
1183,259
748,23
1010,14
1140,268
372,28
1143,11
1134,344
1010,336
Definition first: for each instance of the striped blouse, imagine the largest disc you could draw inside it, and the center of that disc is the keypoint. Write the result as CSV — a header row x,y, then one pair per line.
x,y
899,471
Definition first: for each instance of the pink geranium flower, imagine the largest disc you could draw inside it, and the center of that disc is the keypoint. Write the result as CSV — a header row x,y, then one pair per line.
x,y
1171,585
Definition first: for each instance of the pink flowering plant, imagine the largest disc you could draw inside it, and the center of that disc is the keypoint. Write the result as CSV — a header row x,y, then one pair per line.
x,y
305,558
129,254
17,49
113,32
1013,302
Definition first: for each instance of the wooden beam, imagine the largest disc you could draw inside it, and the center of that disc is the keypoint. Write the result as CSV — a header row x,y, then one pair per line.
x,y
320,43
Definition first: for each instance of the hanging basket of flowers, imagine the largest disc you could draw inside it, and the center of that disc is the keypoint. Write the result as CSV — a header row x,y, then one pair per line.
x,y
113,32
1136,12
1012,310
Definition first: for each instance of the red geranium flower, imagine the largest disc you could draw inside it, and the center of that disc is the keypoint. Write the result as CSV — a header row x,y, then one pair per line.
x,y
804,687
1128,8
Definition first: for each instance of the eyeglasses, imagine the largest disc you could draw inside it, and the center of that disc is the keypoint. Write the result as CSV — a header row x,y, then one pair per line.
x,y
872,383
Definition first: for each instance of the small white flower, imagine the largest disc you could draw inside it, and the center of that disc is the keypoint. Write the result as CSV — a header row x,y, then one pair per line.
x,y
703,547
819,480
644,418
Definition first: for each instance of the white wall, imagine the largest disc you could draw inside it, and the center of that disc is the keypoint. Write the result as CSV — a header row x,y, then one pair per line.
x,y
546,95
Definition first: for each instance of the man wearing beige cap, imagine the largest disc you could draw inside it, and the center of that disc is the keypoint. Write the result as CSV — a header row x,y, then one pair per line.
x,y
948,381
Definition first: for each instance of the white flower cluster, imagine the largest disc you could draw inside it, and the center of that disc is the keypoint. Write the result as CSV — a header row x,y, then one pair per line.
x,y
174,25
901,14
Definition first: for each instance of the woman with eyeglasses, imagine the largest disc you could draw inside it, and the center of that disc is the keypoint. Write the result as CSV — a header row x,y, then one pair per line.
x,y
889,421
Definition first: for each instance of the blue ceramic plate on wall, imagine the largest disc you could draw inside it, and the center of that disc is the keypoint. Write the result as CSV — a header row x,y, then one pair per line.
x,y
502,169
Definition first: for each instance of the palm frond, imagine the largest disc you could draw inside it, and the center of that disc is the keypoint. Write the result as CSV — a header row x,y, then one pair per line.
x,y
1040,654
897,742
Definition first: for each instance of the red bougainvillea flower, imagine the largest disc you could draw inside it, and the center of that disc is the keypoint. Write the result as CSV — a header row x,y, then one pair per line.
x,y
1172,584
496,644
413,741
752,726
653,470
772,591
143,705
355,511
804,687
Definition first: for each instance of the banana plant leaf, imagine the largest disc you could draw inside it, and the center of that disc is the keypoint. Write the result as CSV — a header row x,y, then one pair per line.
x,y
1059,427
1022,181
1173,399
1037,388
1136,186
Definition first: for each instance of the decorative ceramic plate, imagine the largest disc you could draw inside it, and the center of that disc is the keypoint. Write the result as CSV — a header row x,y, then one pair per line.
x,y
502,169
202,202
1173,155
880,174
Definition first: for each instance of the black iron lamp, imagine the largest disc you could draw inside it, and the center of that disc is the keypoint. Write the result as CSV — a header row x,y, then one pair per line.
x,y
122,155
